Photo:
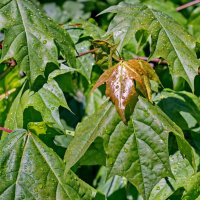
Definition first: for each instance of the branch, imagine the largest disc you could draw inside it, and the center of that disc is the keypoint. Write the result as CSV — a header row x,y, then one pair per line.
x,y
156,60
87,52
187,5
6,130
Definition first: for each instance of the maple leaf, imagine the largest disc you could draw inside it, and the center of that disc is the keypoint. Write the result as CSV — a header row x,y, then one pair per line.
x,y
125,81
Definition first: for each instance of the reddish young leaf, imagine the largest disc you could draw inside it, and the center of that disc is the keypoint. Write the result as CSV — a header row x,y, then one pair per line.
x,y
125,81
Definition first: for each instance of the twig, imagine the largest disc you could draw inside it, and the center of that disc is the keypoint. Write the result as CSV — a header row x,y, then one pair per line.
x,y
156,60
75,25
187,5
87,52
6,130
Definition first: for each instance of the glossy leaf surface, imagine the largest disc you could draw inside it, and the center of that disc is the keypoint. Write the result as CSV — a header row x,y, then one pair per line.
x,y
105,119
141,150
138,151
192,188
142,144
46,101
31,38
169,40
31,170
122,82
15,115
182,107
182,172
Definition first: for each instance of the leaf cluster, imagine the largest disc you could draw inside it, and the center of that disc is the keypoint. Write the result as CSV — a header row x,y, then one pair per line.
x,y
104,108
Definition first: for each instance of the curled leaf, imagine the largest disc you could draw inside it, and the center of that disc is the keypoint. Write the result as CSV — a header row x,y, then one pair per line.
x,y
125,81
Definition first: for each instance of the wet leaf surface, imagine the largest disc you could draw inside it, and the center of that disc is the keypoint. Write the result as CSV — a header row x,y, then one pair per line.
x,y
31,170
125,81
31,38
168,39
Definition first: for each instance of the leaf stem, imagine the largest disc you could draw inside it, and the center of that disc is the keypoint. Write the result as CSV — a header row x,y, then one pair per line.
x,y
156,60
187,5
6,130
87,52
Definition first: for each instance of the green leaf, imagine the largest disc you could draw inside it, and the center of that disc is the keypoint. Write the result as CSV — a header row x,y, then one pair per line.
x,y
168,7
14,118
195,133
64,78
55,12
182,107
181,170
93,101
193,23
192,188
104,120
31,170
138,151
85,63
169,40
63,70
75,10
111,185
10,81
8,90
80,33
37,127
96,150
31,38
63,140
46,101
138,157
167,125
141,149
88,29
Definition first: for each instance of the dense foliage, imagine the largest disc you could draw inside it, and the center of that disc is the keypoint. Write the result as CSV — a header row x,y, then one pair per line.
x,y
99,100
